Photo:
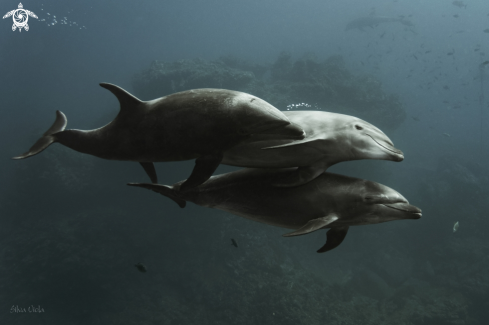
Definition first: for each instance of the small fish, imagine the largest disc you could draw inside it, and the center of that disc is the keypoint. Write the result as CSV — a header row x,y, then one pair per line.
x,y
455,226
234,243
456,16
446,134
415,57
459,4
426,52
484,63
415,118
141,267
486,30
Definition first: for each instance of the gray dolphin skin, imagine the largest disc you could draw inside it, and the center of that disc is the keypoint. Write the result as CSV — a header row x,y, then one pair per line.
x,y
195,124
373,21
330,138
329,201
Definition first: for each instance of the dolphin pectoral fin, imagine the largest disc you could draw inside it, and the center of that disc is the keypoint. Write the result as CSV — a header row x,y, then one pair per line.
x,y
165,190
293,143
334,237
149,168
127,101
313,225
203,170
301,176
47,138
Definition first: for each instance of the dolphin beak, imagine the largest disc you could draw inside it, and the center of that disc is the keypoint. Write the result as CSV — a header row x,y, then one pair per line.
x,y
397,155
411,211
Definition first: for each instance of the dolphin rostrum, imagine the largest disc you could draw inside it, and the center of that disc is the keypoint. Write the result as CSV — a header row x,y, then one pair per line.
x,y
195,124
329,201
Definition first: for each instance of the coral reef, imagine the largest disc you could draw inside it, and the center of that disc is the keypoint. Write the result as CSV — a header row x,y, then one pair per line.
x,y
163,78
262,281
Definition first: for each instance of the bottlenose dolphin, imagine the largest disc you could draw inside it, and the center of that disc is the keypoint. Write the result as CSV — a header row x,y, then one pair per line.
x,y
330,138
199,123
329,201
374,21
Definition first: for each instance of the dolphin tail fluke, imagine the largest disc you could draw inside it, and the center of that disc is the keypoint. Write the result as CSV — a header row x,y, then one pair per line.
x,y
334,237
165,190
47,138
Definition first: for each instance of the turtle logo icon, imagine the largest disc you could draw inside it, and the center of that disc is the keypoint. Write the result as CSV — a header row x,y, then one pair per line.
x,y
20,17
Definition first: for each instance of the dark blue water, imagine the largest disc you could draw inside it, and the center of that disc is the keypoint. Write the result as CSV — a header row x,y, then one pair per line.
x,y
71,230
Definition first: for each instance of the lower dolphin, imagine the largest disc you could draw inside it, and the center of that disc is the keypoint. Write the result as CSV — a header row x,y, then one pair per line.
x,y
329,201
330,138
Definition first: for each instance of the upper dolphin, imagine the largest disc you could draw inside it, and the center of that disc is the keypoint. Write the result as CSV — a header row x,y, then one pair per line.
x,y
330,138
199,123
329,201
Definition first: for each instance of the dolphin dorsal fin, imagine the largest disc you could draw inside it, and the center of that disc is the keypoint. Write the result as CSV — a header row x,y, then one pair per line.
x,y
127,101
313,225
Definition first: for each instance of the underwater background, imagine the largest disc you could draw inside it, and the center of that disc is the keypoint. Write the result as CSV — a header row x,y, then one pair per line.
x,y
71,231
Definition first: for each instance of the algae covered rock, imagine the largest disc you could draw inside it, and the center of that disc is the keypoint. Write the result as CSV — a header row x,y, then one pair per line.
x,y
317,84
164,78
329,85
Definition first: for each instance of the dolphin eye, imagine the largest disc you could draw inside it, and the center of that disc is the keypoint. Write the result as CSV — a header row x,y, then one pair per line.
x,y
358,127
370,199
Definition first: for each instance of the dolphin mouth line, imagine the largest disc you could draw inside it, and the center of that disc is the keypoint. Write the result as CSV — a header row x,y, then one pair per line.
x,y
396,151
418,214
